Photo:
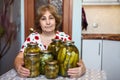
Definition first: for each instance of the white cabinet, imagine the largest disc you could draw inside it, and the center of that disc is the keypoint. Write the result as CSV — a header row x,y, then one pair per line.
x,y
101,2
102,55
109,0
91,53
90,1
111,59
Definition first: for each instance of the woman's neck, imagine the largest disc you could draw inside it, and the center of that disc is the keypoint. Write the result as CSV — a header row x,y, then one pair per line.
x,y
46,38
48,34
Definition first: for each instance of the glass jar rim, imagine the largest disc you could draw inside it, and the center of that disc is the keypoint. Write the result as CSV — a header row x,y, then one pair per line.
x,y
52,62
32,43
32,54
68,42
45,51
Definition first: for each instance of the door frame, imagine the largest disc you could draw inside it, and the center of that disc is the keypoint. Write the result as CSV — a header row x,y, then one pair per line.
x,y
67,16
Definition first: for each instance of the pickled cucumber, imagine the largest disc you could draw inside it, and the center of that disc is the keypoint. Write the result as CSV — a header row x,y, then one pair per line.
x,y
68,56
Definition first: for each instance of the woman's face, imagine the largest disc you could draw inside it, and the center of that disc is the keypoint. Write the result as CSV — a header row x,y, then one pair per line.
x,y
47,22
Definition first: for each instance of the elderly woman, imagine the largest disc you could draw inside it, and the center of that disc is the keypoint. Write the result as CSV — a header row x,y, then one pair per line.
x,y
46,26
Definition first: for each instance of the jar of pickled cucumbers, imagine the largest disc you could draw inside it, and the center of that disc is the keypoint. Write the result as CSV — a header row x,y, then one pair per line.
x,y
45,55
68,56
32,58
51,69
55,46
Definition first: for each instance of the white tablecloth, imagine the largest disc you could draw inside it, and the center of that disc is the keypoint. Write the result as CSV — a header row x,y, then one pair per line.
x,y
89,75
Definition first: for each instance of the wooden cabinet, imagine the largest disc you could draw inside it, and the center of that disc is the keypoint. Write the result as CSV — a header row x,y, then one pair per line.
x,y
91,53
111,59
102,55
30,12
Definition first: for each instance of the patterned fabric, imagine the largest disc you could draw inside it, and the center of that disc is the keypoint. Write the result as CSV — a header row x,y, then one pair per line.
x,y
90,74
35,38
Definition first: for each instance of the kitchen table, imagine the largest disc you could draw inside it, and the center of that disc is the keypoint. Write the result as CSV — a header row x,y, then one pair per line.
x,y
90,74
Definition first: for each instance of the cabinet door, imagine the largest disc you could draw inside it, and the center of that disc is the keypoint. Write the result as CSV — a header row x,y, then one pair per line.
x,y
111,59
101,2
109,0
90,1
91,53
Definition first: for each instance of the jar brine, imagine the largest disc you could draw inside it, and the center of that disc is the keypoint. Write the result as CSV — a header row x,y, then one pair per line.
x,y
68,57
51,69
32,58
55,46
45,55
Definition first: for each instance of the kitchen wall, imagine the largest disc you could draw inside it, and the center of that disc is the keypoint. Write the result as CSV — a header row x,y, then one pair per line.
x,y
103,19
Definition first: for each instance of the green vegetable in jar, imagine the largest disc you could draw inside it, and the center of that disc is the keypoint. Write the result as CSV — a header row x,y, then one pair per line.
x,y
32,58
68,56
51,69
45,55
55,46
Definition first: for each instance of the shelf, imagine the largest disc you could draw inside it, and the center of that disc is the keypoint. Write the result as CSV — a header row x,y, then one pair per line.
x,y
100,3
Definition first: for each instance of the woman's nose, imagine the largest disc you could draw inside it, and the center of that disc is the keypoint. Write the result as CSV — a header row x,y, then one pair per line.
x,y
48,21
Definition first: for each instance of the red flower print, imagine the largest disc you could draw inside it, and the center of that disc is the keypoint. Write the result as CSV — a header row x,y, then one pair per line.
x,y
28,39
22,46
65,39
69,38
36,37
57,37
45,46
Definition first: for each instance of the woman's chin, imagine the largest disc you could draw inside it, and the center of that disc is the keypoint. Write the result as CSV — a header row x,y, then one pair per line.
x,y
49,31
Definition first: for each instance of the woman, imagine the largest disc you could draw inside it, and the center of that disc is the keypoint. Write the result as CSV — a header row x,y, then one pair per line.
x,y
46,25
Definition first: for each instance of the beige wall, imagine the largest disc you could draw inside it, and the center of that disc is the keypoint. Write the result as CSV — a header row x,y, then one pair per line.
x,y
107,18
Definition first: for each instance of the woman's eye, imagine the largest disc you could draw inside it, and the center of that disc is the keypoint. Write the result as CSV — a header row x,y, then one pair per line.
x,y
51,17
43,18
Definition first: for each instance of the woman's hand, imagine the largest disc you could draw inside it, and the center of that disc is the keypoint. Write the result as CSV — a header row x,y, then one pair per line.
x,y
78,71
23,72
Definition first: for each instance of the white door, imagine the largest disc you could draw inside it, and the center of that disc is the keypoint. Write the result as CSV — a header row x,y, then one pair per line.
x,y
91,53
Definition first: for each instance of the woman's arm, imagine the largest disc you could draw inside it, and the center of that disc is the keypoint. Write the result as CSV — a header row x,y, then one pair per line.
x,y
19,65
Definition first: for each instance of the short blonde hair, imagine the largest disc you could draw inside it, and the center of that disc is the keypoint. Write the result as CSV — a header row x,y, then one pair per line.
x,y
41,11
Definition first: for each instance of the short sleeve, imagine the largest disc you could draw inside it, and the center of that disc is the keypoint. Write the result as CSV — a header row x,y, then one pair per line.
x,y
33,37
62,36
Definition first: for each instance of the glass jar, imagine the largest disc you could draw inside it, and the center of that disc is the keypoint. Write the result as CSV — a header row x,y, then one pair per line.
x,y
32,47
45,56
32,58
68,56
55,46
51,69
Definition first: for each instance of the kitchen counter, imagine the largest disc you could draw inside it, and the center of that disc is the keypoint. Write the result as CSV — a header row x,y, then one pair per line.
x,y
89,75
115,37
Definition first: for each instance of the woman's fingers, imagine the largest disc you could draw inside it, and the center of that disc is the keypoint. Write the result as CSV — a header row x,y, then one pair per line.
x,y
23,71
78,71
75,72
